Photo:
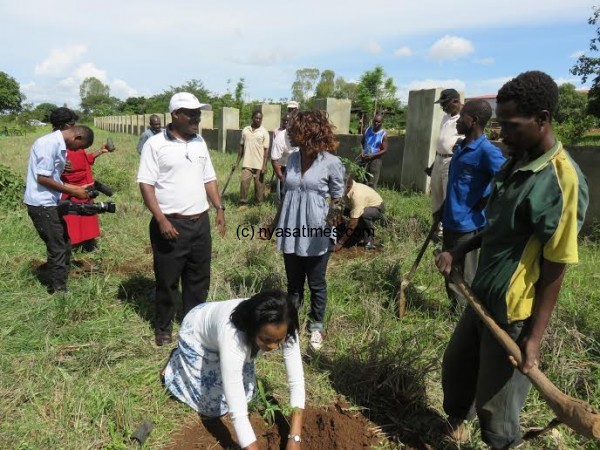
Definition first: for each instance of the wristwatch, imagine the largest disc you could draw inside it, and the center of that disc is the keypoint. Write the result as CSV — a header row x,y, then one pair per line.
x,y
221,207
295,437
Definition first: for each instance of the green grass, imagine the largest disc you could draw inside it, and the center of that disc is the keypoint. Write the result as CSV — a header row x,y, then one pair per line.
x,y
81,371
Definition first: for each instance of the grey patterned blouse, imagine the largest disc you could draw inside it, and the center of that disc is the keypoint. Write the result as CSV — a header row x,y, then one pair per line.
x,y
302,228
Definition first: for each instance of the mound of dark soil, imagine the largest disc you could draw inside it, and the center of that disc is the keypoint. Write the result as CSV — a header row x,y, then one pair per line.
x,y
323,429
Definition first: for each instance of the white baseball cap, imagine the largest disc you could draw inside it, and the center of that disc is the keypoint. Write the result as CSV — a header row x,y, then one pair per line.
x,y
293,104
184,100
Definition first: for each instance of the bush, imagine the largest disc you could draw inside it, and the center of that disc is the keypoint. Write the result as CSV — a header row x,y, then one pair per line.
x,y
12,188
572,130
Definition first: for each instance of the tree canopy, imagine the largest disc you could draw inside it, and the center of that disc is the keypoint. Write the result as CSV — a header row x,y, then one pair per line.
x,y
11,98
588,67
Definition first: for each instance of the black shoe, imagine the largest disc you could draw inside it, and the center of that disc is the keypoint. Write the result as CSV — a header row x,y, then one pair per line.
x,y
163,339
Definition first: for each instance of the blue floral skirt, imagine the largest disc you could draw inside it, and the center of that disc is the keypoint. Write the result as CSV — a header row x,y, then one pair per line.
x,y
193,375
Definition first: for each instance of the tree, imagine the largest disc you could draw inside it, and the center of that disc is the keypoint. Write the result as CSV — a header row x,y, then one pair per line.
x,y
11,97
303,86
345,89
239,93
377,92
42,111
589,66
95,97
571,103
326,86
134,105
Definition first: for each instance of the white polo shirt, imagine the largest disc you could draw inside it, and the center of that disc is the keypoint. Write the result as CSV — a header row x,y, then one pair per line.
x,y
178,171
282,148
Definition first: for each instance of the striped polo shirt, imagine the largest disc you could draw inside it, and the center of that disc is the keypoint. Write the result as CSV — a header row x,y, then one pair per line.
x,y
533,213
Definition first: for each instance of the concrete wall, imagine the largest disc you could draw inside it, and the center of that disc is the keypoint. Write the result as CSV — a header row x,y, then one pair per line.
x,y
229,120
588,159
211,136
338,110
271,115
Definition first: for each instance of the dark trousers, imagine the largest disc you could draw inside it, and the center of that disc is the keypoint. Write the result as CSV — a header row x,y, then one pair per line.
x,y
52,228
298,269
370,214
186,258
476,371
466,266
374,168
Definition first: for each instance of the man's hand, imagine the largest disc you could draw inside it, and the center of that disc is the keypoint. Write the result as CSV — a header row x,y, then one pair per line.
x,y
220,222
167,230
530,354
337,247
443,262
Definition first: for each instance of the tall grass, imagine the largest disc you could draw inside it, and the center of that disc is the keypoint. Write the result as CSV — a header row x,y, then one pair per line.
x,y
81,371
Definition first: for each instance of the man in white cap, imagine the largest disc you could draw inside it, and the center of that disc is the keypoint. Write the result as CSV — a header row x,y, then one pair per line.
x,y
292,107
176,177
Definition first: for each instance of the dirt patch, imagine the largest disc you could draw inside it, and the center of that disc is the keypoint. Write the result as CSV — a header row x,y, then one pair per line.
x,y
323,429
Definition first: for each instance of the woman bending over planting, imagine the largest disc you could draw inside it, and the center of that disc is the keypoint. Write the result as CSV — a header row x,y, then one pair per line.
x,y
212,369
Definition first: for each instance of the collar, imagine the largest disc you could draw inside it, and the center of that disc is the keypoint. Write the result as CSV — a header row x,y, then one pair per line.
x,y
542,161
476,143
171,137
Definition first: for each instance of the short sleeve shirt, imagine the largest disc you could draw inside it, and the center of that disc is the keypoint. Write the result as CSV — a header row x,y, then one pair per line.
x,y
361,196
256,143
178,170
533,213
47,158
448,134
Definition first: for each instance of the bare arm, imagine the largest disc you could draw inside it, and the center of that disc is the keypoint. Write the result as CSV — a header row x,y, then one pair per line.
x,y
295,428
352,224
79,192
212,192
443,261
546,294
167,230
277,169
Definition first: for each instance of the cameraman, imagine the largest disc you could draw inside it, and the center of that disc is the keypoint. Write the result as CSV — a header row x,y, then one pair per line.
x,y
42,192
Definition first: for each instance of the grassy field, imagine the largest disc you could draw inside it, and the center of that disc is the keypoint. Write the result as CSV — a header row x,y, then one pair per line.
x,y
80,371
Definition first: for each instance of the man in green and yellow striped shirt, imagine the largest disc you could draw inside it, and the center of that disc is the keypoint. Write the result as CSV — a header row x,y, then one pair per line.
x,y
535,212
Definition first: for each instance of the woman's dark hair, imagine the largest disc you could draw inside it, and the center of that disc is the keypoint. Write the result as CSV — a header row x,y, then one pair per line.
x,y
312,131
264,308
532,92
61,117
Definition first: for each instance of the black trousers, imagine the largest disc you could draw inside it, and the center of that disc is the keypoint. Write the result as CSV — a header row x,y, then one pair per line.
x,y
466,266
298,269
186,258
374,168
52,228
476,372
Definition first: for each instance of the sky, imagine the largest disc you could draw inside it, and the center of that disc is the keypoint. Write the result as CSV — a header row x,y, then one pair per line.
x,y
140,48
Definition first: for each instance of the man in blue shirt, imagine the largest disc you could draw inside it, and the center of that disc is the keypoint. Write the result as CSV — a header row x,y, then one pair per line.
x,y
474,163
374,146
155,128
42,192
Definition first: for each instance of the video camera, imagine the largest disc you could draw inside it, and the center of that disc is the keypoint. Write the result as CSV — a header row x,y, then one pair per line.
x,y
88,208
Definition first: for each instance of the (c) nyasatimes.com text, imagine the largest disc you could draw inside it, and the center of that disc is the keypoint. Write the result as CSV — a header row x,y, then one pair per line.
x,y
251,231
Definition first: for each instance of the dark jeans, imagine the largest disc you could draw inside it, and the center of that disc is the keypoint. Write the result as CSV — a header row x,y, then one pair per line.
x,y
476,370
186,258
370,214
374,168
53,230
298,269
466,266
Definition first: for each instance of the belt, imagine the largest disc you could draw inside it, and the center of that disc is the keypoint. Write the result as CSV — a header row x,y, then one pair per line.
x,y
193,217
444,155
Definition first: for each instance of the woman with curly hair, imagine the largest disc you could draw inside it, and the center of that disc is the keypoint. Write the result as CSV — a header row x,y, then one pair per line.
x,y
314,181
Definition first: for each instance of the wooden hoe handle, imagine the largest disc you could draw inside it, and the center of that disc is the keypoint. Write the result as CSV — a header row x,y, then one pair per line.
x,y
576,414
